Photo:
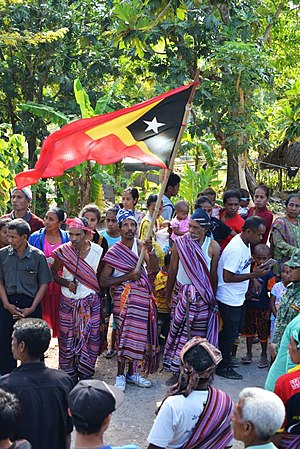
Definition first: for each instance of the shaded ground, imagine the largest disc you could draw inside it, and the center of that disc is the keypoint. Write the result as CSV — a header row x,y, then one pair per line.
x,y
132,422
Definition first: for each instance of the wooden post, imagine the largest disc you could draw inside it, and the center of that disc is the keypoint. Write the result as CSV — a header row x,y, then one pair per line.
x,y
168,171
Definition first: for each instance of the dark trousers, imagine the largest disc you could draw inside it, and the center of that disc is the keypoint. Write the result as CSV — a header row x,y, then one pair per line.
x,y
7,362
231,317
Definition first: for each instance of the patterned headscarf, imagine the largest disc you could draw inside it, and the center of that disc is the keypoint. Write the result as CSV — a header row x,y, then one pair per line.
x,y
123,214
189,377
202,217
78,224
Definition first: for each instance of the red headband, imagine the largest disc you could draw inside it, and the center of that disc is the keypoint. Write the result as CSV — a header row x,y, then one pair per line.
x,y
77,223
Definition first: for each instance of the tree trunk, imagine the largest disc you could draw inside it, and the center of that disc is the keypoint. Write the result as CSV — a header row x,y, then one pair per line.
x,y
241,169
232,181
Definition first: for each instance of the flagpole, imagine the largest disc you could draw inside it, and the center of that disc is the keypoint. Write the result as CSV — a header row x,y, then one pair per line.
x,y
168,171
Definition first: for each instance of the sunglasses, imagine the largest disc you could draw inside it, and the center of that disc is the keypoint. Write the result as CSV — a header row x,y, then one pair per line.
x,y
245,199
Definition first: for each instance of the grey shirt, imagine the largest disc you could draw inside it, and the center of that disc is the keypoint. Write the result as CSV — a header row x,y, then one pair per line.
x,y
25,274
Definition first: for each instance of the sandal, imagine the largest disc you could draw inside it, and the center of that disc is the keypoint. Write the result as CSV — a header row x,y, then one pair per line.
x,y
110,354
263,363
247,359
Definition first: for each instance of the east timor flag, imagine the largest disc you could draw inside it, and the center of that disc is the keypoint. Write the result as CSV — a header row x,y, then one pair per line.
x,y
146,131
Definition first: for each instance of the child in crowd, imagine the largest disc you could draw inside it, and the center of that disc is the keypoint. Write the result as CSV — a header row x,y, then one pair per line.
x,y
93,215
180,224
145,225
244,203
162,236
276,293
112,230
3,232
261,197
257,318
212,195
130,198
163,316
10,413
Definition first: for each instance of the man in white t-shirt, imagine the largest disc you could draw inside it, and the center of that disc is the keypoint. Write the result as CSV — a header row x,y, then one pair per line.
x,y
234,275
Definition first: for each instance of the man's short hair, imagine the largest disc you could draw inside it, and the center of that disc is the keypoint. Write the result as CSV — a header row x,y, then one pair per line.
x,y
35,333
253,223
263,409
90,402
173,180
231,194
10,412
21,226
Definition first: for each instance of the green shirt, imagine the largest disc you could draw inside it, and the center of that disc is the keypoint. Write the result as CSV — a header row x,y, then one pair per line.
x,y
25,274
288,310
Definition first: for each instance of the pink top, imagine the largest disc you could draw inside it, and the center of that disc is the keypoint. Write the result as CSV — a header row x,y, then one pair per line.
x,y
215,212
182,225
48,248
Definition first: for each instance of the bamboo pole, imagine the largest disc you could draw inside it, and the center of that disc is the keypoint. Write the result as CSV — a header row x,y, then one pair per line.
x,y
168,171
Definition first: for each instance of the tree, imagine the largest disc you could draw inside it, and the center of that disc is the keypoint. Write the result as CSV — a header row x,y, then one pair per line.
x,y
247,52
233,42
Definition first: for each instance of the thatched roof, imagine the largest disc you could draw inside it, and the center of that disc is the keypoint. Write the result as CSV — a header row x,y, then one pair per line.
x,y
285,155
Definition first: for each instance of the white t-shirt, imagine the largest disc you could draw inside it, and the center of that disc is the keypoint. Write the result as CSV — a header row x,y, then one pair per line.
x,y
235,258
176,420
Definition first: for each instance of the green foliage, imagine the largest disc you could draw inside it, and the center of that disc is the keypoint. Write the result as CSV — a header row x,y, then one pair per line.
x,y
47,113
83,100
286,113
12,148
126,52
147,186
193,182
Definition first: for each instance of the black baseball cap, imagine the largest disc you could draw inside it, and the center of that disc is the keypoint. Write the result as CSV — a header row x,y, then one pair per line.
x,y
91,401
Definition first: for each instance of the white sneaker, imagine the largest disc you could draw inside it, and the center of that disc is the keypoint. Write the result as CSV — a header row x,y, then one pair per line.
x,y
138,380
120,382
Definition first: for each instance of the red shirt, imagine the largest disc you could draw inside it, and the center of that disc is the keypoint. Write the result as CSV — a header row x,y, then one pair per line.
x,y
288,384
235,223
33,220
266,215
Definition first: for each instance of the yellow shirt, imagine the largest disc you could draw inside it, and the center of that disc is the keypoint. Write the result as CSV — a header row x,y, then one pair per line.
x,y
144,227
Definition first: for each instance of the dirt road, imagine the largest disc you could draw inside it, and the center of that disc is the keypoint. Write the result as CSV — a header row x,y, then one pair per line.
x,y
132,422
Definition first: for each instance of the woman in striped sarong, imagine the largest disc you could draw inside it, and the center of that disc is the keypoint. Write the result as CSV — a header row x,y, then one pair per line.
x,y
194,310
194,415
80,315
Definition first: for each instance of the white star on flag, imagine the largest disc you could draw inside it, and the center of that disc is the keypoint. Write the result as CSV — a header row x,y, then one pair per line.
x,y
153,125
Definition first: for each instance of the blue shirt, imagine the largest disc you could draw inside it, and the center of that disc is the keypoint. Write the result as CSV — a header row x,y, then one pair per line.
x,y
261,300
110,240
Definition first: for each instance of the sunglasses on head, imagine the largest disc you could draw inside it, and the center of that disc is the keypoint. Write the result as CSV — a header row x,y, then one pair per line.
x,y
245,199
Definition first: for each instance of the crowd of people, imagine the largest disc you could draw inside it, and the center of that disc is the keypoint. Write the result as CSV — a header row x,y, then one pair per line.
x,y
208,277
